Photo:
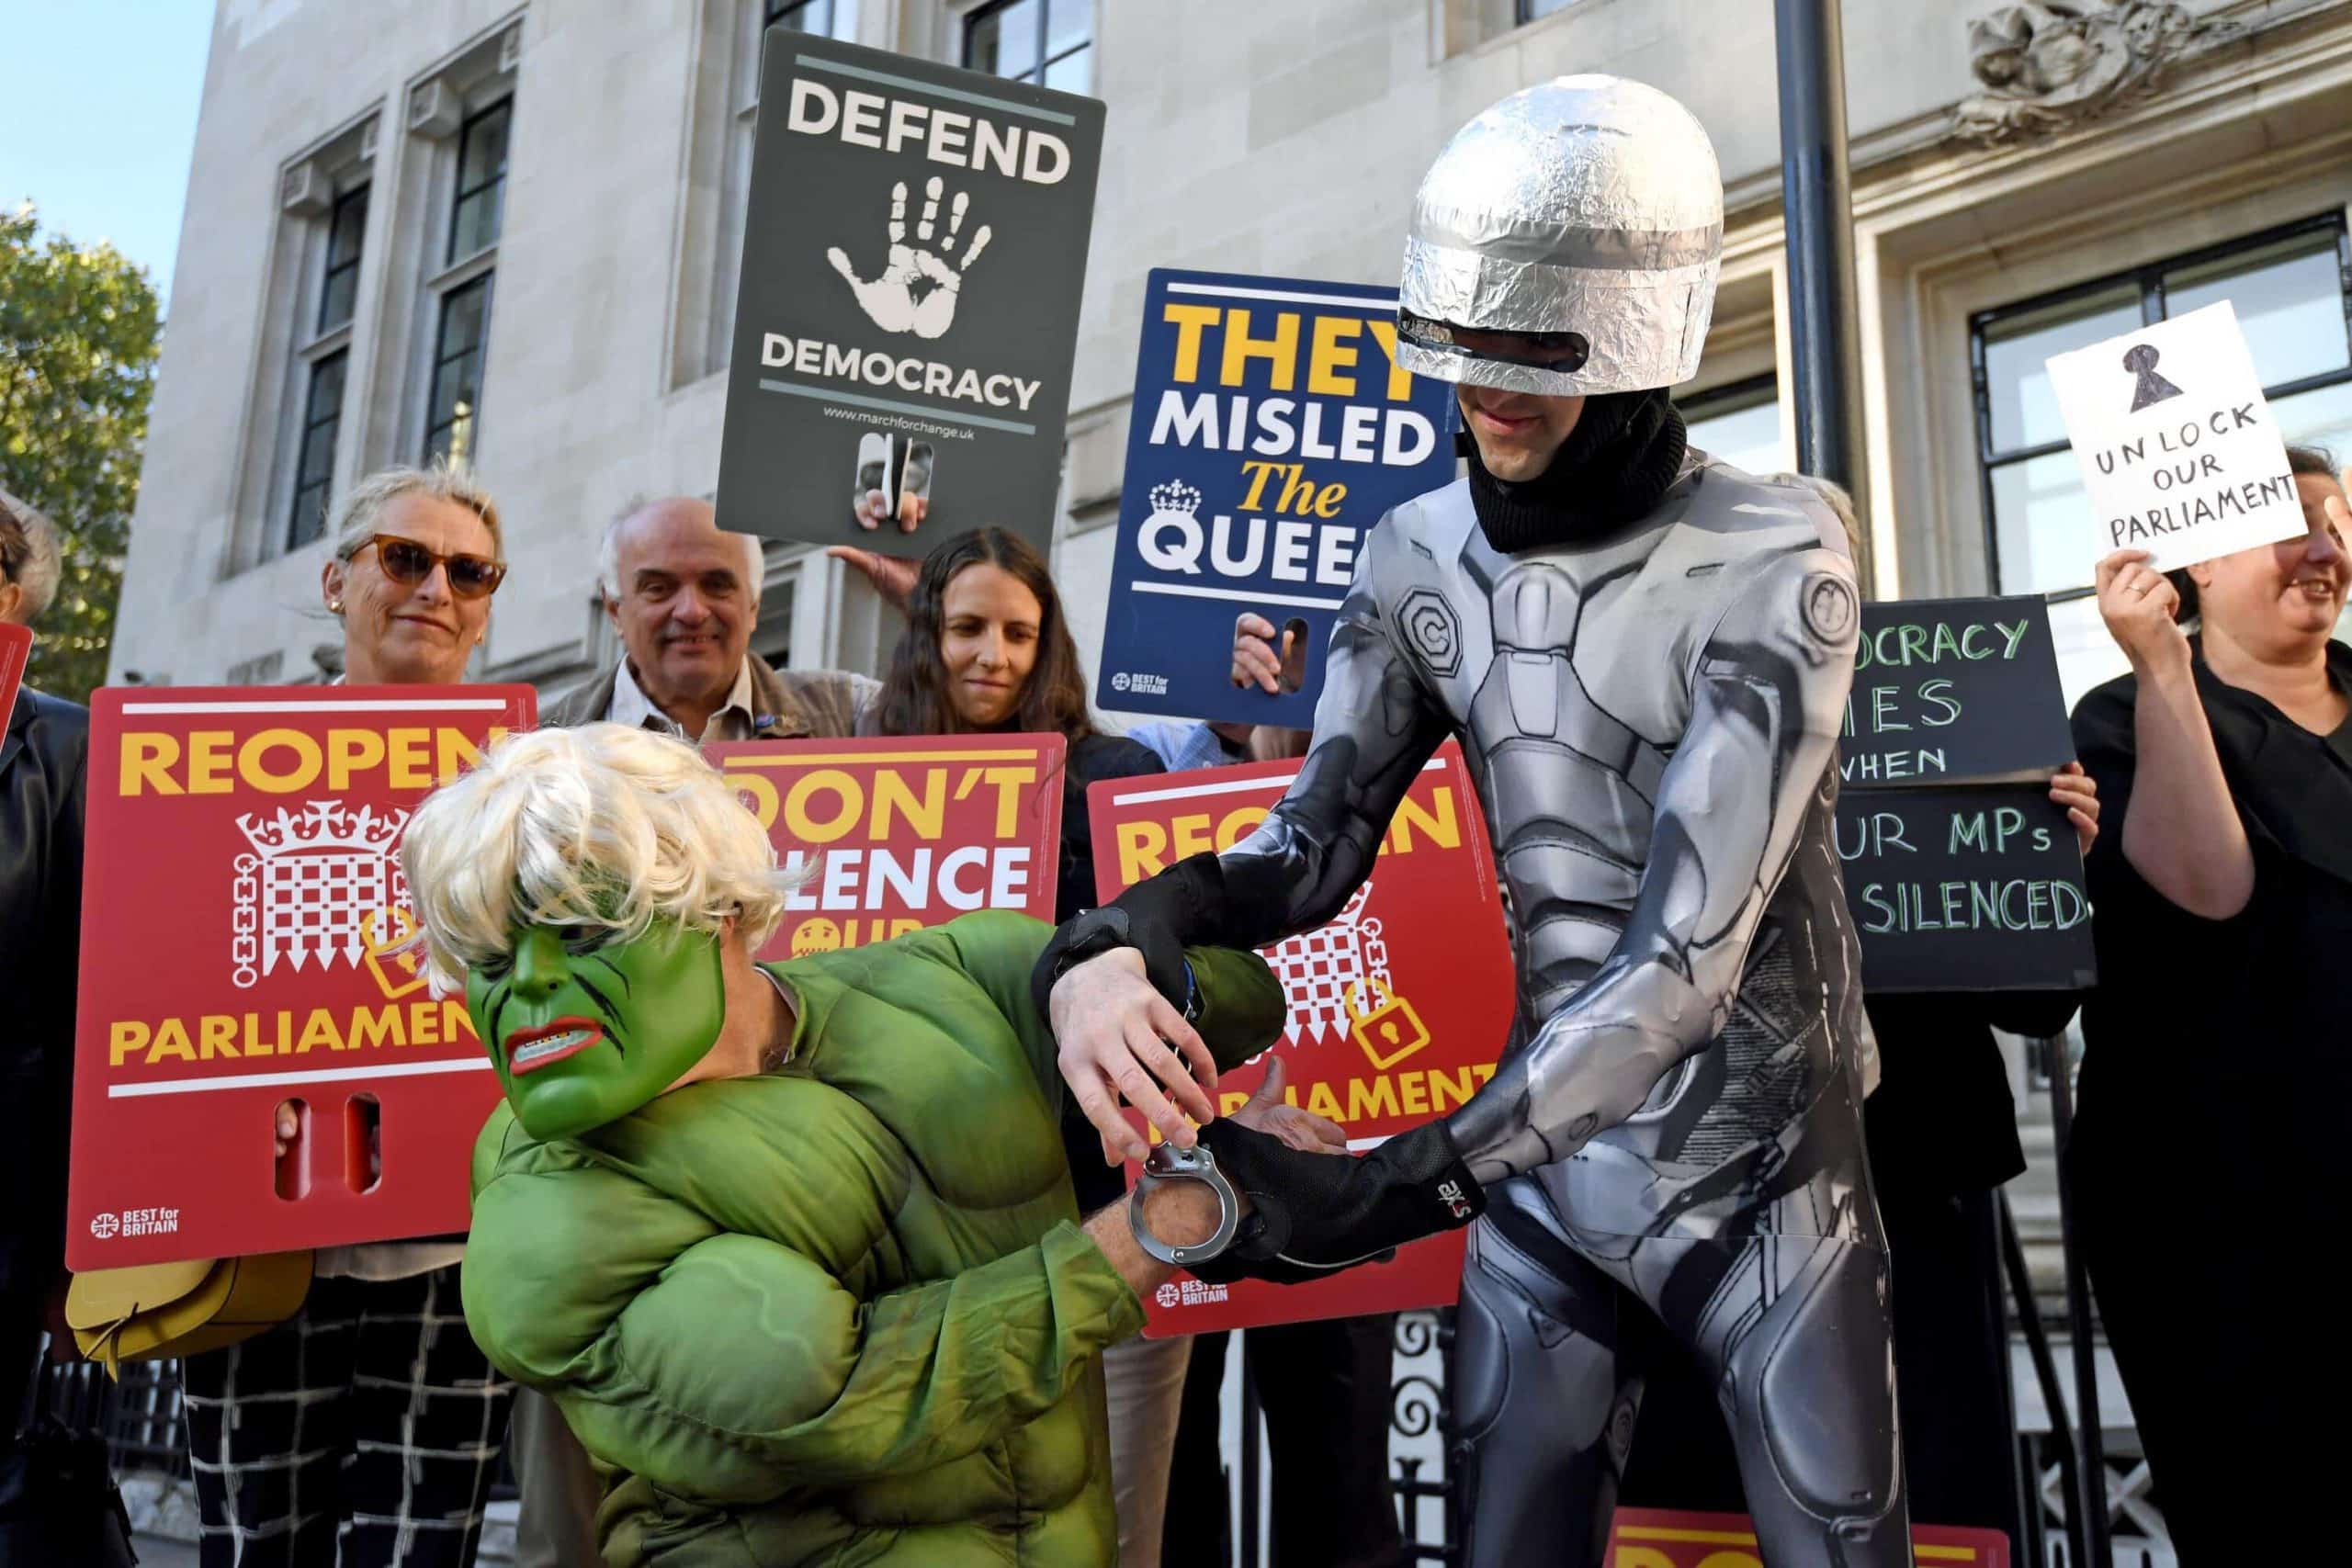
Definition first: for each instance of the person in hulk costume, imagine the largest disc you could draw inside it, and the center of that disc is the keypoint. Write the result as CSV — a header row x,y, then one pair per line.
x,y
792,1246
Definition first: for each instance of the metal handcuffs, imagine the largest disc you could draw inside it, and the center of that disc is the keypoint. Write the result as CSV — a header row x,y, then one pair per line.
x,y
1168,1163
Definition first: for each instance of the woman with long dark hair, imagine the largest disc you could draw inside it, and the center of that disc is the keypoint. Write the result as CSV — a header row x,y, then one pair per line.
x,y
987,649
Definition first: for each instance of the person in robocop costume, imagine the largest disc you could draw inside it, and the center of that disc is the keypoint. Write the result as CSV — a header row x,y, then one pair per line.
x,y
1646,654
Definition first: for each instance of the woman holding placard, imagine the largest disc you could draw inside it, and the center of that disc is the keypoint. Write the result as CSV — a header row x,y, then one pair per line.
x,y
368,1426
2213,1093
987,649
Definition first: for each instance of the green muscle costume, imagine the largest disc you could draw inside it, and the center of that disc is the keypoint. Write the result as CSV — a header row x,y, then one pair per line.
x,y
841,1313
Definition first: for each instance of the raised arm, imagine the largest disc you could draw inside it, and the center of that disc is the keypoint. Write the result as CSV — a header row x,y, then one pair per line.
x,y
2182,832
1767,702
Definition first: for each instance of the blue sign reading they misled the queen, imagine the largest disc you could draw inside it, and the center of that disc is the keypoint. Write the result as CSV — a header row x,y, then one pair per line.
x,y
1271,430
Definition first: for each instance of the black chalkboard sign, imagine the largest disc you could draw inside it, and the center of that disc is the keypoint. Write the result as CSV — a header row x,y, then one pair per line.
x,y
1954,689
1960,888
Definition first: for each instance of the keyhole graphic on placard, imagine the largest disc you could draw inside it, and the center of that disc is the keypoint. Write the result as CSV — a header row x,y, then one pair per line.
x,y
1390,1032
2141,360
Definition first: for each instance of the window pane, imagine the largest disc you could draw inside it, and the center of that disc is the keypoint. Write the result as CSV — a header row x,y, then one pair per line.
x,y
336,302
2042,527
2322,418
1530,9
1069,24
2025,413
350,227
807,16
326,387
2291,305
1745,437
483,157
461,320
1004,41
476,226
1073,72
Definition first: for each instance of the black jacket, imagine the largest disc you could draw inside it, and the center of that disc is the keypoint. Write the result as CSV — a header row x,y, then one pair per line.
x,y
41,766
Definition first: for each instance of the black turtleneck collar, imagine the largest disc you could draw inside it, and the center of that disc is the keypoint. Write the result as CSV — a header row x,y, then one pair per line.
x,y
1613,468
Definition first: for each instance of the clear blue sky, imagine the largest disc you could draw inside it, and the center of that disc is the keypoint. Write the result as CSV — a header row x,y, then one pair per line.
x,y
97,119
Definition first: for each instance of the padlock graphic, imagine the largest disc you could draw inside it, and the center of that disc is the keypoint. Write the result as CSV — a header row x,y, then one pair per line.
x,y
1390,1030
394,955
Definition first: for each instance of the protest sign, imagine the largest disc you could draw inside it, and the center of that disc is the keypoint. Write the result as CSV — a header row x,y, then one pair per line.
x,y
906,832
1671,1537
244,945
16,650
1955,888
1951,689
1271,429
1398,1007
914,248
2179,453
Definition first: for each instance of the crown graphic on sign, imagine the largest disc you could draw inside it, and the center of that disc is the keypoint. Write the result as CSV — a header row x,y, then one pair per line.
x,y
324,825
1175,496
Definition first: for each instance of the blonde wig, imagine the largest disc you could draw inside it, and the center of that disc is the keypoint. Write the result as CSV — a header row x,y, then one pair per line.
x,y
603,825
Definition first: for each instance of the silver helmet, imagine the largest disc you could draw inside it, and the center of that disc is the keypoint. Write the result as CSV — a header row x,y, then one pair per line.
x,y
1583,218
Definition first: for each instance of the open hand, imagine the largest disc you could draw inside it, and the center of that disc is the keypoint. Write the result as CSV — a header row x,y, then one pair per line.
x,y
1112,1025
893,577
917,288
1300,1128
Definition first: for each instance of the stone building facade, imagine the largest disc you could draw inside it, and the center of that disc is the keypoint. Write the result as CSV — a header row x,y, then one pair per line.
x,y
510,227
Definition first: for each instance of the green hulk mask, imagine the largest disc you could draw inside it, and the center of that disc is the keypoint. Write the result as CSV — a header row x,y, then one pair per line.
x,y
583,1030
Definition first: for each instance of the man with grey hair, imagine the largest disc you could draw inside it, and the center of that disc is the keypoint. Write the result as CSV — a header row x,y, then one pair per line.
x,y
684,598
41,757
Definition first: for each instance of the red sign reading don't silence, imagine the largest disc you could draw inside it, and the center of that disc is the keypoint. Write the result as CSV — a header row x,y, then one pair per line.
x,y
244,917
1398,1007
903,833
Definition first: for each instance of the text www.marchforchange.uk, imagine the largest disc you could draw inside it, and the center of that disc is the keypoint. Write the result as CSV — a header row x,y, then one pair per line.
x,y
899,422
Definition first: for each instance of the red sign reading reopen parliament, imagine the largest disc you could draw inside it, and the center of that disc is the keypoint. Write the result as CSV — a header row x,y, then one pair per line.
x,y
905,832
16,650
1398,1007
244,922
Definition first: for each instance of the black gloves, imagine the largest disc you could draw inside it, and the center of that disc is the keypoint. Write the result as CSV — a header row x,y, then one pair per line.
x,y
1312,1214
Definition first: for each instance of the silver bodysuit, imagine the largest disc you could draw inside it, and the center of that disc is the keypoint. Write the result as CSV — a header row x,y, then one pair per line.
x,y
1651,720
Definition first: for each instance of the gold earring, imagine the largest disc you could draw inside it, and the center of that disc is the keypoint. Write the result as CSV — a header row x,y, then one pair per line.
x,y
335,606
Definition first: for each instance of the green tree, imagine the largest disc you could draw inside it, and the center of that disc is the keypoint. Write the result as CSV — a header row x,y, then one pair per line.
x,y
79,327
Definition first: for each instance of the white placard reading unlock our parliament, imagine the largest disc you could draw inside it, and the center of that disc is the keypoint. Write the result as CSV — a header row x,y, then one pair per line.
x,y
2179,453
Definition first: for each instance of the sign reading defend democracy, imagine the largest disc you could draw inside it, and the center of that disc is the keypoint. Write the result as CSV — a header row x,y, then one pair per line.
x,y
16,650
1398,1008
1664,1538
914,251
244,926
1951,689
2179,453
908,833
1270,430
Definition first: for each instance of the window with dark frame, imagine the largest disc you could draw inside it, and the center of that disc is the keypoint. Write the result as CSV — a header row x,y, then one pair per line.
x,y
1535,10
1739,423
339,287
479,209
801,16
314,460
460,346
1050,42
2292,290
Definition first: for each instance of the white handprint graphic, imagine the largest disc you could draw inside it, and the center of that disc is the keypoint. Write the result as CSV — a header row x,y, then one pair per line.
x,y
917,290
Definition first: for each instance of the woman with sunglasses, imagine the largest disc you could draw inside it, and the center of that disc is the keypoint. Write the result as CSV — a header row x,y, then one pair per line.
x,y
367,1428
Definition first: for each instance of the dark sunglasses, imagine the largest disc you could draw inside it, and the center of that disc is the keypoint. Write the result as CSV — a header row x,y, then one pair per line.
x,y
409,563
1563,352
